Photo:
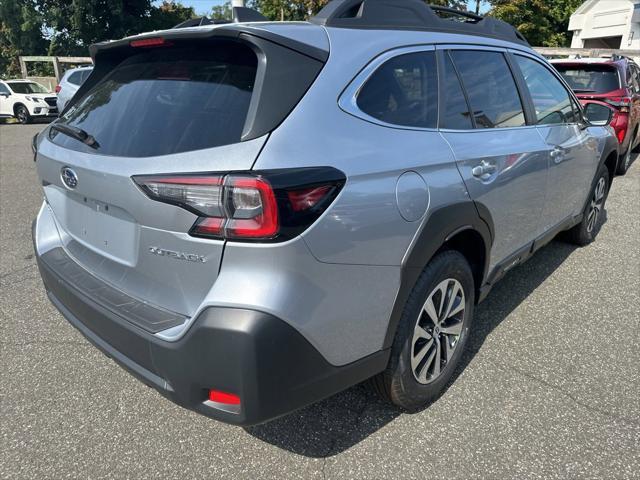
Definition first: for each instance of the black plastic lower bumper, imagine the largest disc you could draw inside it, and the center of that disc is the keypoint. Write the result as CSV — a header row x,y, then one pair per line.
x,y
262,359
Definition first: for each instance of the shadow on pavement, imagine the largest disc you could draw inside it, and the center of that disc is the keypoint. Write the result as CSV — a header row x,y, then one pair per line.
x,y
333,425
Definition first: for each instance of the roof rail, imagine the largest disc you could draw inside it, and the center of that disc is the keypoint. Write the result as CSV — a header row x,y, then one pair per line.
x,y
240,15
412,15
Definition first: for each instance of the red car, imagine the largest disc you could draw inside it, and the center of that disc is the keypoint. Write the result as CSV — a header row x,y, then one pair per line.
x,y
615,81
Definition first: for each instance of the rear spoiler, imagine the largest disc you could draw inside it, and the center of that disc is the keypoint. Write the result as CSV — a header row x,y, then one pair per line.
x,y
229,30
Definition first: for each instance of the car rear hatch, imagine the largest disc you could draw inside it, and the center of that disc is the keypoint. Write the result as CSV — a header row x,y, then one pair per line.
x,y
176,102
593,81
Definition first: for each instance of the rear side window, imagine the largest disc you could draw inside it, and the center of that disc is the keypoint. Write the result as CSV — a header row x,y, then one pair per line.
x,y
165,101
491,89
403,91
75,78
551,99
586,78
455,111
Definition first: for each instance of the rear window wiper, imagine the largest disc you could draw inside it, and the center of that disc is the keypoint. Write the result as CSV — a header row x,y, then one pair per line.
x,y
77,133
583,90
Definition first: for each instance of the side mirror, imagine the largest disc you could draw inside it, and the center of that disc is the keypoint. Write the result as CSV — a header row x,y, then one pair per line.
x,y
4,94
598,114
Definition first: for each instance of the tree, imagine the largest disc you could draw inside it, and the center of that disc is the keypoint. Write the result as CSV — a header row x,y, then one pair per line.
x,y
76,24
222,11
542,22
167,15
21,30
303,9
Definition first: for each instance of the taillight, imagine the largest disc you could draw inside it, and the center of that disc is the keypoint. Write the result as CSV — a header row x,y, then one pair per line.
x,y
621,103
58,88
268,206
620,124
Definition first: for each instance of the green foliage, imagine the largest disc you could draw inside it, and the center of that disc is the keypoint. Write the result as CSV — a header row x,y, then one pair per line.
x,y
303,9
288,9
68,27
542,22
222,11
21,30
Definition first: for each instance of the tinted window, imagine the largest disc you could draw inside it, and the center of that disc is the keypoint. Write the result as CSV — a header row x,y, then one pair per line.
x,y
455,111
551,99
490,87
27,87
403,91
167,101
75,78
585,78
4,89
84,75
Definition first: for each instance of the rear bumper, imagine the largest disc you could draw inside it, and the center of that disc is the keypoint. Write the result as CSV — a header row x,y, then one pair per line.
x,y
254,355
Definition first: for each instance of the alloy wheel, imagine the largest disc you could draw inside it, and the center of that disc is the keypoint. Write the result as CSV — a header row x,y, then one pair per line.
x,y
438,331
595,207
22,115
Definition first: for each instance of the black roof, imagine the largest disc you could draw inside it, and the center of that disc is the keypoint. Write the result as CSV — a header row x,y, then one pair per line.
x,y
412,15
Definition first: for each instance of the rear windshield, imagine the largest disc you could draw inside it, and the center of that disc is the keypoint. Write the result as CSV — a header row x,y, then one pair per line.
x,y
167,100
590,78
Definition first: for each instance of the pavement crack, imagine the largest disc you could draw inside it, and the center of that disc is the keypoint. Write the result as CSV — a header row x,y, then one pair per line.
x,y
573,398
17,270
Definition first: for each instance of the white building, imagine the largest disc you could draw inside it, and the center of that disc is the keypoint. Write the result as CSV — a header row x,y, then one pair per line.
x,y
606,24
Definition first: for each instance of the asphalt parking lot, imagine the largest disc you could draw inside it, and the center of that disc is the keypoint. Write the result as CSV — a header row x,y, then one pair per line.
x,y
549,389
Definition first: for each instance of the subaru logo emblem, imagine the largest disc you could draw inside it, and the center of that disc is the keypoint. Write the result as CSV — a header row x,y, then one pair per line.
x,y
69,177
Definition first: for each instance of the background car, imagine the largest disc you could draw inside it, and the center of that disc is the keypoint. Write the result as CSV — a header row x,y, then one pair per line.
x,y
25,100
69,84
616,81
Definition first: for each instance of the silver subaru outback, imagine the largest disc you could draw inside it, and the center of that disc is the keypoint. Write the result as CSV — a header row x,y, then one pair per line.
x,y
252,216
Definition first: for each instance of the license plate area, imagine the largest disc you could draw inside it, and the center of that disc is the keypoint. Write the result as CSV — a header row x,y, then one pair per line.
x,y
102,227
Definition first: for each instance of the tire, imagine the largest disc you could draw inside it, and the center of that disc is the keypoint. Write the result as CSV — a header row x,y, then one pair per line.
x,y
625,162
586,231
411,380
635,149
22,114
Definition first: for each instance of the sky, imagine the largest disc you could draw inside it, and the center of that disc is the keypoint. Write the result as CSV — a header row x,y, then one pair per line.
x,y
204,6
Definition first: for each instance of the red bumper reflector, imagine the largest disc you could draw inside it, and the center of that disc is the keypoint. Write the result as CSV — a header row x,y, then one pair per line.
x,y
223,397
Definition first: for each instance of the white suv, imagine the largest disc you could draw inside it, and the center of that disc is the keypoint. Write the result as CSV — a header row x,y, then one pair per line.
x,y
25,100
70,83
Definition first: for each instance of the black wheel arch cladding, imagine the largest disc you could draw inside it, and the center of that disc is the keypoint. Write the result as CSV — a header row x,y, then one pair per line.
x,y
442,226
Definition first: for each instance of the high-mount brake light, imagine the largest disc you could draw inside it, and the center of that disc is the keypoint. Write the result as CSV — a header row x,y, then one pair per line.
x,y
149,42
247,206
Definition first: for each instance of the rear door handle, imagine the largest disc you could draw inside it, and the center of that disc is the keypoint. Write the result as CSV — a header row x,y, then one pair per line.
x,y
484,170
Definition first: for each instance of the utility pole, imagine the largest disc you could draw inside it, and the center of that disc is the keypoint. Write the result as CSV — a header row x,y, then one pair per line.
x,y
478,6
